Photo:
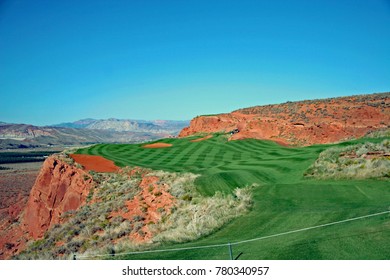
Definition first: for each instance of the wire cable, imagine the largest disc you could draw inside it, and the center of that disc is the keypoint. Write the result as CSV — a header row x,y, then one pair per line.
x,y
237,242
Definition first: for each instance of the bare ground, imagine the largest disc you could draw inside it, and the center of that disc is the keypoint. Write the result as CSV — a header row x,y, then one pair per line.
x,y
15,186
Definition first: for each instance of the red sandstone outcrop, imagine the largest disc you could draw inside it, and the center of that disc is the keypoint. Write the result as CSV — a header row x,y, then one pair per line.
x,y
59,188
302,123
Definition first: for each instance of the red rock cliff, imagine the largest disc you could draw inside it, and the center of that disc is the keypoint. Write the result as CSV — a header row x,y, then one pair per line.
x,y
302,123
58,188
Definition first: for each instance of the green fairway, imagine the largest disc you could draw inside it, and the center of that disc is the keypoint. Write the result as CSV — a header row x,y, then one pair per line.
x,y
283,201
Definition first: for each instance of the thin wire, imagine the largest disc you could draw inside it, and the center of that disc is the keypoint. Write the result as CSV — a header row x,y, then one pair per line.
x,y
237,242
157,251
308,228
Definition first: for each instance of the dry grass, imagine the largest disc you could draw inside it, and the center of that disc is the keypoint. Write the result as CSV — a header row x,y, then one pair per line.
x,y
90,230
361,161
197,216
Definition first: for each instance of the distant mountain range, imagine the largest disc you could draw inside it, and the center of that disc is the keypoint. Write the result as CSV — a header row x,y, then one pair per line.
x,y
173,127
87,131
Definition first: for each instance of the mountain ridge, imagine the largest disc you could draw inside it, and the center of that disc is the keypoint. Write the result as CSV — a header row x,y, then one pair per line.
x,y
94,131
305,122
114,124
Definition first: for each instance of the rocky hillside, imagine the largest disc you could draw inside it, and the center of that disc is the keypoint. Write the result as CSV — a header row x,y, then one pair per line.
x,y
29,136
121,125
74,210
302,123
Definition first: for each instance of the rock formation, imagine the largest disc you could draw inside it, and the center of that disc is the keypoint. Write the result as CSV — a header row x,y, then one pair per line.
x,y
59,188
302,123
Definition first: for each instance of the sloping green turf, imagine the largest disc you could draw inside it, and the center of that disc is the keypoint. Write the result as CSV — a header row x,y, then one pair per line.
x,y
224,165
284,200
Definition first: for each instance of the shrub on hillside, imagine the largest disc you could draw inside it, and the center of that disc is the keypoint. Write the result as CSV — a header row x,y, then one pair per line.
x,y
90,227
93,230
361,161
201,216
379,133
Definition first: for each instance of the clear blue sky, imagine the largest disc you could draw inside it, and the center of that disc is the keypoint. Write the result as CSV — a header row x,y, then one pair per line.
x,y
66,60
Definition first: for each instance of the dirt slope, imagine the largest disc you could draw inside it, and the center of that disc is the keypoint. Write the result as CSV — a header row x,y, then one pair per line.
x,y
62,186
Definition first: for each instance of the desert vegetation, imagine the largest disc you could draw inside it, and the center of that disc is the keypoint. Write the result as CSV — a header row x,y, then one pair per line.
x,y
360,161
94,229
91,227
379,133
196,216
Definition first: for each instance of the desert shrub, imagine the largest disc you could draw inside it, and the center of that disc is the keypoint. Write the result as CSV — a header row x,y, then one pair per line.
x,y
4,168
201,216
74,246
117,220
61,250
91,230
89,226
138,226
123,232
361,161
9,245
97,177
138,218
379,133
96,228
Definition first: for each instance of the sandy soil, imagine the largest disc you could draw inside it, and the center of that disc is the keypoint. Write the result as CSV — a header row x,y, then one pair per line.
x,y
95,163
281,142
157,145
15,187
254,134
202,139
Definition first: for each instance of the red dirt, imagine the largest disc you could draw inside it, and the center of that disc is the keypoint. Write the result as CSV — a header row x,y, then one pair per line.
x,y
95,163
149,203
202,139
15,187
157,145
302,123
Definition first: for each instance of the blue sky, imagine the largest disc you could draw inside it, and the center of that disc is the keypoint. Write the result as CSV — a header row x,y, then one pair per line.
x,y
67,60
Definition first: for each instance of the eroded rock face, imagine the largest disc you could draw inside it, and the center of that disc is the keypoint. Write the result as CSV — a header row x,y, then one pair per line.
x,y
302,123
59,188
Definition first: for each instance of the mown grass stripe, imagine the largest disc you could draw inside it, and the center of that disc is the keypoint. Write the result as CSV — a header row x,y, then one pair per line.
x,y
283,201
